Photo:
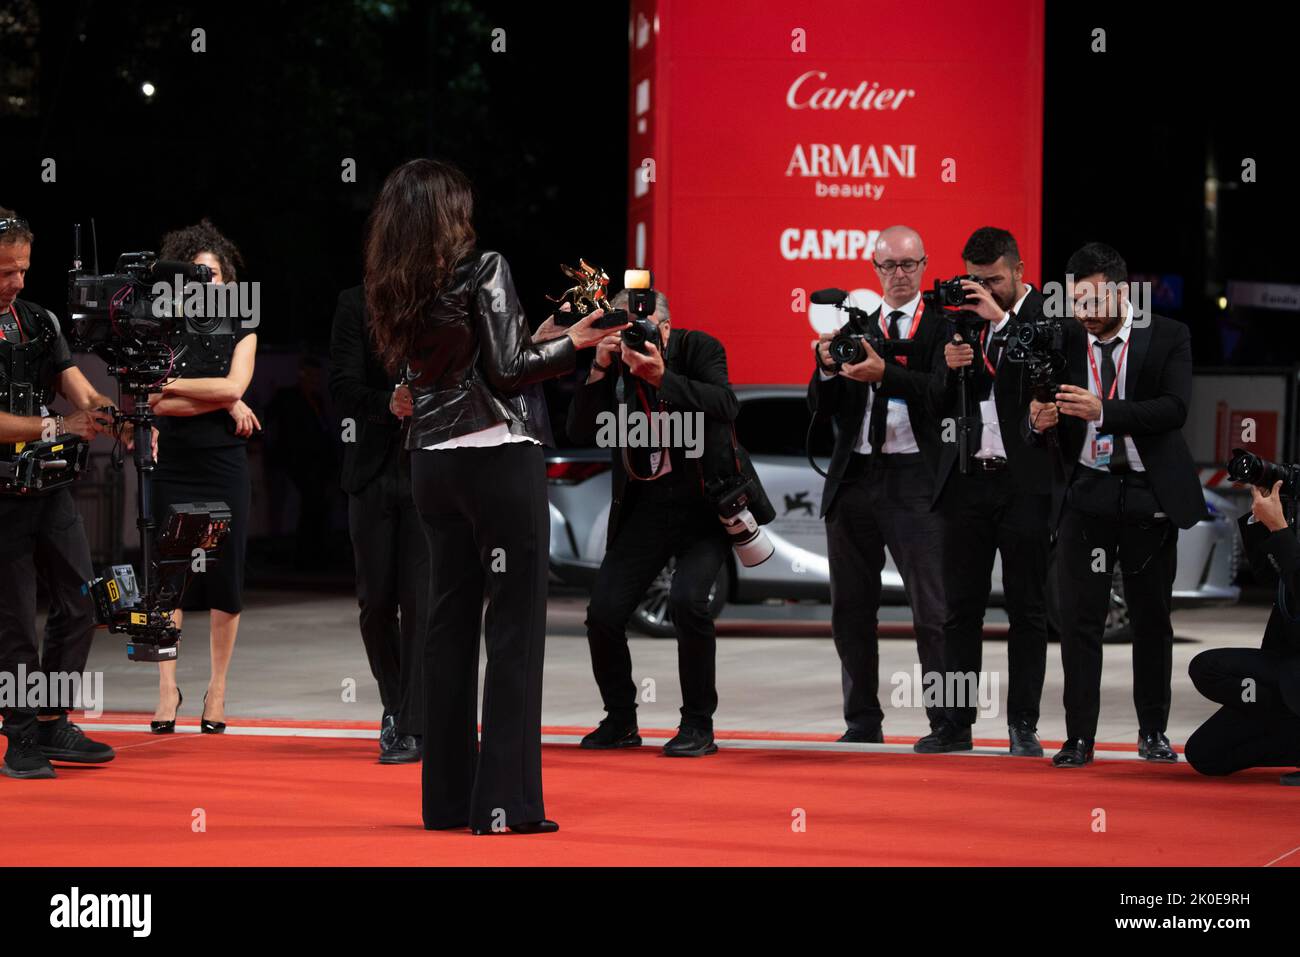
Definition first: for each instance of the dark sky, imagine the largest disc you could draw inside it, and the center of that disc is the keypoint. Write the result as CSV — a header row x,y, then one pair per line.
x,y
253,132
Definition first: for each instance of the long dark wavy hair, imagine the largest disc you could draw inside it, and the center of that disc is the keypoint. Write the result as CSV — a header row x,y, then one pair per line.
x,y
418,232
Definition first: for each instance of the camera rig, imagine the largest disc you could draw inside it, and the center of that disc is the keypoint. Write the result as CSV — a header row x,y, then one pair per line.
x,y
949,299
145,337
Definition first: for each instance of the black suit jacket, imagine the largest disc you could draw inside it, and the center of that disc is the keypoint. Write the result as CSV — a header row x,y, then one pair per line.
x,y
360,388
845,400
1028,464
1274,556
1157,388
695,380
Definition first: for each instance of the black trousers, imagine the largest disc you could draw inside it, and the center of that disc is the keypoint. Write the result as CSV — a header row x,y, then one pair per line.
x,y
984,514
879,506
1087,547
43,538
392,562
660,520
485,513
1254,728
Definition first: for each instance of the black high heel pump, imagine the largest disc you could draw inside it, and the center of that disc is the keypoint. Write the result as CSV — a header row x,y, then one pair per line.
x,y
206,726
168,727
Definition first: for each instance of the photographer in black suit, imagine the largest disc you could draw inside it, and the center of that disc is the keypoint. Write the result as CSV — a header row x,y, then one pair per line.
x,y
880,484
392,556
1123,487
1001,504
1259,688
660,512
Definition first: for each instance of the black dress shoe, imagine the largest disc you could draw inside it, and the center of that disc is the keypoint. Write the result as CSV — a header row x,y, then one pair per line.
x,y
209,727
610,734
1023,737
1075,753
543,826
169,727
690,743
862,736
944,739
1154,746
1292,779
406,749
387,732
62,740
24,758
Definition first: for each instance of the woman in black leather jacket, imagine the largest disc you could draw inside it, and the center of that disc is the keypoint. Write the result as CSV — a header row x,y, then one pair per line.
x,y
448,314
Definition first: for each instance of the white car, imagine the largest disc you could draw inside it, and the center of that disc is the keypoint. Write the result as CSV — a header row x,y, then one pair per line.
x,y
773,426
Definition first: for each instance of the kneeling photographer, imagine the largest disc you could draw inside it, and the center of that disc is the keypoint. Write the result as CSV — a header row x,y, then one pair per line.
x,y
44,535
1258,723
667,503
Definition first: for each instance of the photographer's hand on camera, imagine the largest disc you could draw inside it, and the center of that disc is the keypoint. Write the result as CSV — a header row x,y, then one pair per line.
x,y
958,354
1043,415
1079,402
1267,507
647,366
981,302
87,423
608,351
870,369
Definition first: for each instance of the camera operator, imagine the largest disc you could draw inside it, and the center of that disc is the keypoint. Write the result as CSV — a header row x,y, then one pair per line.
x,y
392,556
1001,505
880,487
1125,485
43,535
652,520
1259,688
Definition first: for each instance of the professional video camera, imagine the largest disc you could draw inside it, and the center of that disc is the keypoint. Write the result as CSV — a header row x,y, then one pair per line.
x,y
1247,468
849,345
150,320
148,331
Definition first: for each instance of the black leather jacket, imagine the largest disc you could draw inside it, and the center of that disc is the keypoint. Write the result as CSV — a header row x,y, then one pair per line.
x,y
476,356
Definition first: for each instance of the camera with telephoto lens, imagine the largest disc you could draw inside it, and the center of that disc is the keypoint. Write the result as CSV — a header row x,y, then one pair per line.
x,y
732,496
1246,468
849,345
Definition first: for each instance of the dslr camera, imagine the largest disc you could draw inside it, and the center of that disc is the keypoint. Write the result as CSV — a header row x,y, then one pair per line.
x,y
949,299
733,497
850,344
1246,468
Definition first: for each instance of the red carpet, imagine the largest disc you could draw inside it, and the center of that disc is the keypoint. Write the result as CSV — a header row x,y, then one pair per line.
x,y
325,801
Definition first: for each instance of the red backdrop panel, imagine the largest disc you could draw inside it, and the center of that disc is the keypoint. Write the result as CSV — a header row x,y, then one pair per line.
x,y
769,141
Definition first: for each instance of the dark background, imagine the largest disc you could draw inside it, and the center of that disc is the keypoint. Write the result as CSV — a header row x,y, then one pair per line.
x,y
253,132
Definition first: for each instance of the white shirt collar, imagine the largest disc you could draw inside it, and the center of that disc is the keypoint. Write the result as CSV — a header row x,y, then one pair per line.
x,y
1124,330
1014,310
908,308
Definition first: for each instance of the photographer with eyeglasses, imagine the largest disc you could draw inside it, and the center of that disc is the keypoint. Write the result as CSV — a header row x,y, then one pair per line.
x,y
880,484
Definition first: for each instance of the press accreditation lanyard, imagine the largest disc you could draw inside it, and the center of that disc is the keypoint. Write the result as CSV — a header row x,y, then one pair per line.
x,y
1119,367
916,324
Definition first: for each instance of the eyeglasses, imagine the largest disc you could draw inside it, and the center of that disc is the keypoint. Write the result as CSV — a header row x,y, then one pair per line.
x,y
908,266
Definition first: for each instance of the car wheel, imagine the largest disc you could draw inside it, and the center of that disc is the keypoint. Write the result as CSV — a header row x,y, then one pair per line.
x,y
653,616
1118,627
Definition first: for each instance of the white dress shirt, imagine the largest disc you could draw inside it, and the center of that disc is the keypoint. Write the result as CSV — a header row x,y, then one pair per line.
x,y
1121,375
991,444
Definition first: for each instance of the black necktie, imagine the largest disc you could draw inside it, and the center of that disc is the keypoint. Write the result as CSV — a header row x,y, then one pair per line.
x,y
1119,451
879,408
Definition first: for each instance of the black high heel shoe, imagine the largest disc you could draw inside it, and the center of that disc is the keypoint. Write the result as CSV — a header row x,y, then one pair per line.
x,y
206,726
168,727
544,826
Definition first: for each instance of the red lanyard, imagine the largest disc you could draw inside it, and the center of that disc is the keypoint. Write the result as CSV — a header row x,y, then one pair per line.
x,y
916,324
22,336
1114,386
985,356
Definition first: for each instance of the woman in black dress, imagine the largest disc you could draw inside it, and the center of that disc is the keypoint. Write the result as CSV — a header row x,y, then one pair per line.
x,y
449,315
203,426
